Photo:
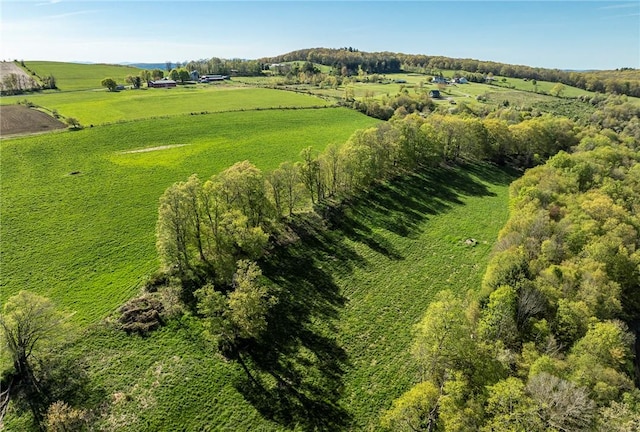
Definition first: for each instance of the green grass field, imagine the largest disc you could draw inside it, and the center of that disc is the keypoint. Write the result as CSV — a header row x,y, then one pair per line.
x,y
367,282
78,214
76,76
100,107
87,239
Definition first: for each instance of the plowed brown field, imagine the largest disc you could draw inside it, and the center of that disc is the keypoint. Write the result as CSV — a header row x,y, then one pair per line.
x,y
18,119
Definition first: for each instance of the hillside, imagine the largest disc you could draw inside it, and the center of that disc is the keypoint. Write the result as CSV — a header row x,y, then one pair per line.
x,y
366,283
284,292
626,81
78,76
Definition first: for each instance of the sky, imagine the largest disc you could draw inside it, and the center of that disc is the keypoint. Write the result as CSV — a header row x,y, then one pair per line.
x,y
577,35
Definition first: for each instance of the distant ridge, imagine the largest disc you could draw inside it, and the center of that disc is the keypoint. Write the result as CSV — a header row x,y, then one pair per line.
x,y
146,65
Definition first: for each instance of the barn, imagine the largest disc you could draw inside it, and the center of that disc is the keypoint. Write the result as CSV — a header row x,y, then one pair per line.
x,y
163,83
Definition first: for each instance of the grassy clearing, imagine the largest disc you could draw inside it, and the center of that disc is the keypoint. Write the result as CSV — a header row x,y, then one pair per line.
x,y
78,213
412,246
76,76
100,107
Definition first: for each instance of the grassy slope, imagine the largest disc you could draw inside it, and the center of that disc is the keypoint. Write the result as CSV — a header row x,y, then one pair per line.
x,y
99,107
414,247
87,239
76,76
367,283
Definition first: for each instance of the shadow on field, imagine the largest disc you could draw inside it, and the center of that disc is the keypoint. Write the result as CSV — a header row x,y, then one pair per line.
x,y
299,364
401,205
298,368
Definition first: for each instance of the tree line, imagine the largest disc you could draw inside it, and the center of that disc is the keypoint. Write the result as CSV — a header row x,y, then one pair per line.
x,y
624,81
212,234
547,345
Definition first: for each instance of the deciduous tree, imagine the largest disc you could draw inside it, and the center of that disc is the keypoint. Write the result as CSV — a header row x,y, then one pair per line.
x,y
109,83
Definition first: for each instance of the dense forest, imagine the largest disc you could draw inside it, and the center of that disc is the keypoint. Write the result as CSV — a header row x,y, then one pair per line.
x,y
548,345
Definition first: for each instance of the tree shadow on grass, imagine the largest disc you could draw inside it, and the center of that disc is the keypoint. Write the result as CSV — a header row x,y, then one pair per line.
x,y
401,205
297,368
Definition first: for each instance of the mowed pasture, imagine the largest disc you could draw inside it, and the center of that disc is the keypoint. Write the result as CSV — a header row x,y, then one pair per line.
x,y
78,76
100,107
79,210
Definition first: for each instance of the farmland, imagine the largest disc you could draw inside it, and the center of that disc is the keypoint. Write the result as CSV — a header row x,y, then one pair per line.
x,y
85,210
75,76
172,380
83,205
100,107
79,210
16,119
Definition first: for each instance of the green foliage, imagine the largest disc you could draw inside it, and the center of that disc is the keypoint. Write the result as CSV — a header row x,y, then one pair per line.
x,y
212,225
109,83
240,315
498,321
415,410
73,123
30,326
443,339
601,360
510,408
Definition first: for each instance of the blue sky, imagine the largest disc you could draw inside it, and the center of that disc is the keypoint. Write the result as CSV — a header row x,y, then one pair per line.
x,y
552,33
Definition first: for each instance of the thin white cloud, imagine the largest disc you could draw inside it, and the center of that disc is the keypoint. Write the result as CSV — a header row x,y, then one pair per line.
x,y
69,14
622,16
619,6
50,2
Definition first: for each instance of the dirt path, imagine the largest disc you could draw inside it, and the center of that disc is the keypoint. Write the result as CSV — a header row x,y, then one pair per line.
x,y
150,149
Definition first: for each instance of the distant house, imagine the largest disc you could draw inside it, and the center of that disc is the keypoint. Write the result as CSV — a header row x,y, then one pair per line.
x,y
400,81
435,94
463,80
163,83
439,80
195,75
213,78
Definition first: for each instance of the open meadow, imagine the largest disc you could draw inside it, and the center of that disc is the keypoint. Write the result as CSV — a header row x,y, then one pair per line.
x,y
366,282
100,106
79,209
76,76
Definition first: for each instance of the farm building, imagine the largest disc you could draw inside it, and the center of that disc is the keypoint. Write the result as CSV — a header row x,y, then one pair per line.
x,y
163,83
212,78
434,94
439,80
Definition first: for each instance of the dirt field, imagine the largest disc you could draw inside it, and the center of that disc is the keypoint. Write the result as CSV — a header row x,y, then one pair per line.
x,y
7,68
18,119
